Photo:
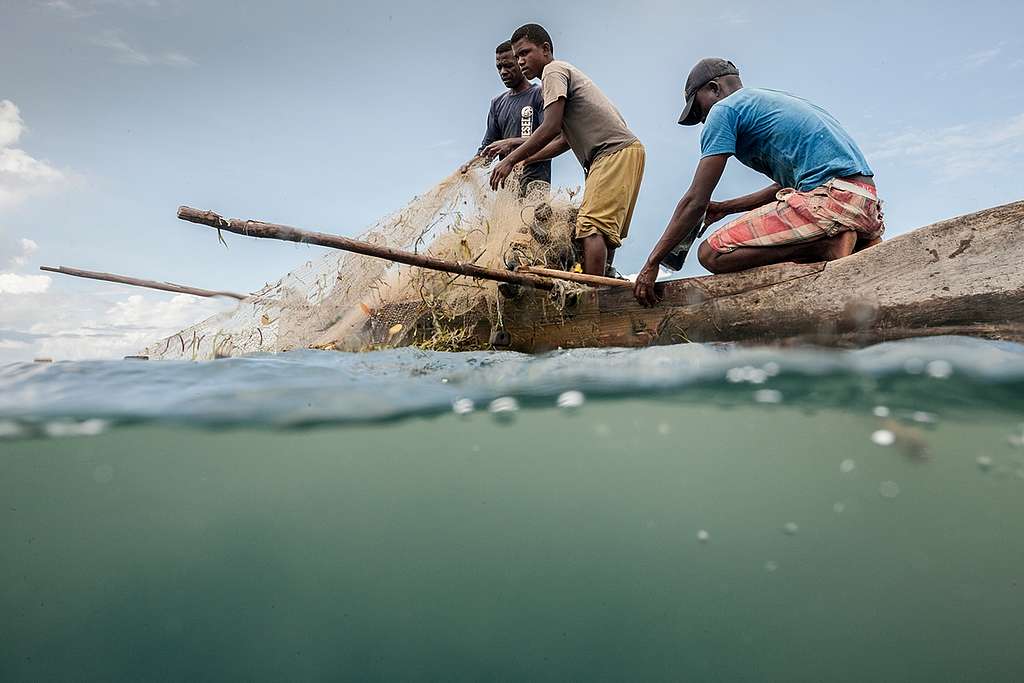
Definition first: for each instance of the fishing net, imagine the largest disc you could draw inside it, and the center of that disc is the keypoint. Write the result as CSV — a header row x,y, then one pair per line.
x,y
351,302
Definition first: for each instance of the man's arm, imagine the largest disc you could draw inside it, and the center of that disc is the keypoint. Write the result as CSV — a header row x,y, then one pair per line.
x,y
544,134
501,148
748,202
551,150
686,218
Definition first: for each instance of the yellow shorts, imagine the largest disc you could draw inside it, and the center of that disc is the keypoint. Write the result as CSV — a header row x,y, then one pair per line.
x,y
610,195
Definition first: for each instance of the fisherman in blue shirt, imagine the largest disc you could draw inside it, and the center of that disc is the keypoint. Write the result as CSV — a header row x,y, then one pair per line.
x,y
821,206
513,116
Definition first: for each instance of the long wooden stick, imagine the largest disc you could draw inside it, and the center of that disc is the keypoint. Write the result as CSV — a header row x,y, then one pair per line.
x,y
290,234
151,284
582,278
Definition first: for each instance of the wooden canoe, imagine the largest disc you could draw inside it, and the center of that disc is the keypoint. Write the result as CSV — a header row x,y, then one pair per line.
x,y
961,276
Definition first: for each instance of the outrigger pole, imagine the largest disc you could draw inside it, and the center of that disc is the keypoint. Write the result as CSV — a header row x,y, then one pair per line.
x,y
582,278
290,234
136,282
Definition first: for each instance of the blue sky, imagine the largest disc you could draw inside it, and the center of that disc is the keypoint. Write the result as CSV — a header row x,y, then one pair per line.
x,y
332,114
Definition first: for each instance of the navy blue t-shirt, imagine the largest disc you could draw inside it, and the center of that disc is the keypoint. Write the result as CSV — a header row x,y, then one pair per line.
x,y
518,115
795,143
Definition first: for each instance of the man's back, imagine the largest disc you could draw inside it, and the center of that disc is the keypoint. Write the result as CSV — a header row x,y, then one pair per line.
x,y
592,125
792,141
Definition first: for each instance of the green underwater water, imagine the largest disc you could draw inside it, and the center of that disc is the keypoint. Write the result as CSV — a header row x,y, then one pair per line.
x,y
552,546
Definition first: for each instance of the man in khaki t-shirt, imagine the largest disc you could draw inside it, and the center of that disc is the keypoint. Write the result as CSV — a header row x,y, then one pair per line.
x,y
578,116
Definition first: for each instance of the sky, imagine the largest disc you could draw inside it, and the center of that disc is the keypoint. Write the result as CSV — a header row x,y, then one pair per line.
x,y
329,115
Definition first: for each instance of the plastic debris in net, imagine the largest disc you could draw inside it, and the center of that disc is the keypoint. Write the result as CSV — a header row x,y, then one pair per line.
x,y
351,302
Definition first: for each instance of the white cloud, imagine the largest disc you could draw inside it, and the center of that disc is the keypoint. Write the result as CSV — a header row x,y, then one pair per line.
x,y
124,53
95,324
12,283
86,8
736,17
11,125
28,247
955,152
978,59
20,173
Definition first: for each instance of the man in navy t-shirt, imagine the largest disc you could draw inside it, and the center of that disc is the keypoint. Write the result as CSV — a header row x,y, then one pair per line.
x,y
821,207
513,116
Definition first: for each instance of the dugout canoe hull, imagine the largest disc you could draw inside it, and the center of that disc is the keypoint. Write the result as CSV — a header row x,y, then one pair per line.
x,y
960,276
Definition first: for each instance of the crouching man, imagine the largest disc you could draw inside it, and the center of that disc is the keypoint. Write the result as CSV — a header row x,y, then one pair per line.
x,y
821,207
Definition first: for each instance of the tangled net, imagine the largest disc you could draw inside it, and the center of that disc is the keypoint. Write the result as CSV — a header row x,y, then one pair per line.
x,y
351,302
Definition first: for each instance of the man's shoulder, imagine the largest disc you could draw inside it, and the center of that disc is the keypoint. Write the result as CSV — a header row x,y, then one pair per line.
x,y
499,98
559,66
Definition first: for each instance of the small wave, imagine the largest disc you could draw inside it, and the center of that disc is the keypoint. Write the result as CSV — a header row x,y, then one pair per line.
x,y
942,375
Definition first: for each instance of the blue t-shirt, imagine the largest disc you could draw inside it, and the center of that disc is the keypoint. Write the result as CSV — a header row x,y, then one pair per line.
x,y
790,140
515,115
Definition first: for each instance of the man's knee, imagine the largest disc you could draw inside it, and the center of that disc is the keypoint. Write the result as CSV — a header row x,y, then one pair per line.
x,y
707,257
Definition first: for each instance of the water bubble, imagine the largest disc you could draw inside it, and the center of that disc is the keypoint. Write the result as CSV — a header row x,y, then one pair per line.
x,y
664,429
1018,438
790,528
838,508
984,463
757,376
768,396
103,474
504,409
771,368
881,411
67,429
923,417
847,466
463,406
939,369
771,566
889,489
570,400
883,437
747,373
444,380
703,536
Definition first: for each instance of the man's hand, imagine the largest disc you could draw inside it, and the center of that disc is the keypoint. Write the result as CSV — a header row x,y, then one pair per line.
x,y
500,172
643,290
716,212
500,148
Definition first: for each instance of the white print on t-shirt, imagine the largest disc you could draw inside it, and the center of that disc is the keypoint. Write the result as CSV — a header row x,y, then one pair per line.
x,y
527,121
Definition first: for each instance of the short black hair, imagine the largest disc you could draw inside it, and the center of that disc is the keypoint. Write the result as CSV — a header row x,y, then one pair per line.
x,y
535,33
504,47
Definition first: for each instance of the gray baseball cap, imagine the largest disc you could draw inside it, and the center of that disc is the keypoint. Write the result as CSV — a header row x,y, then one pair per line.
x,y
706,70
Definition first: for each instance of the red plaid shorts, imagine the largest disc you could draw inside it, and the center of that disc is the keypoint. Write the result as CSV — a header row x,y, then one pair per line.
x,y
796,217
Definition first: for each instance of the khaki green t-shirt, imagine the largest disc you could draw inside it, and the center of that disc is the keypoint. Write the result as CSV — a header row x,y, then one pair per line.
x,y
591,124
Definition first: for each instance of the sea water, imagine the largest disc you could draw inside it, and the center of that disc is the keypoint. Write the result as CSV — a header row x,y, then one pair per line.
x,y
679,513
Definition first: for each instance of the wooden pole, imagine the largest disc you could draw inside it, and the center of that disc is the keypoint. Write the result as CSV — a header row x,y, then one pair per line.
x,y
290,234
151,284
582,278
